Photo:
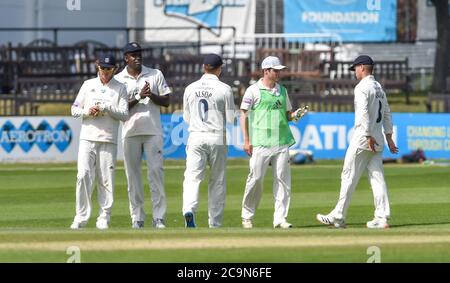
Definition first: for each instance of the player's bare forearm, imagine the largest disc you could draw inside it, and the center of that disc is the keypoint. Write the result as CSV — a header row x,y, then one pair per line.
x,y
248,148
160,100
132,102
391,144
244,125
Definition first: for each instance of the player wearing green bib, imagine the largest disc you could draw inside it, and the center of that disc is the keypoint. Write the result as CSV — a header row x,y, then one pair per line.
x,y
266,111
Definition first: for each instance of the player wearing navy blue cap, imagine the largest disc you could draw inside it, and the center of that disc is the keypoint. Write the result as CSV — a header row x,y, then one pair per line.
x,y
361,60
212,60
372,116
132,47
208,104
142,134
101,103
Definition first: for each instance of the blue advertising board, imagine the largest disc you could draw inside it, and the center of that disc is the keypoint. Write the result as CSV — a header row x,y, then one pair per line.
x,y
327,135
351,20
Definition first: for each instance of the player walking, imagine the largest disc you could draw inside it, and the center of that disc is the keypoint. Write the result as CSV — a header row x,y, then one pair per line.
x,y
372,115
100,103
208,104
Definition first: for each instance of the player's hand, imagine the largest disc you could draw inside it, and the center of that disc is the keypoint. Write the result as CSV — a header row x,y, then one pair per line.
x,y
248,148
372,143
392,147
94,110
299,113
145,91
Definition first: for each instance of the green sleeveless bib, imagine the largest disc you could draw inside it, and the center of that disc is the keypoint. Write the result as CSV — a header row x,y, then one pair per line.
x,y
268,122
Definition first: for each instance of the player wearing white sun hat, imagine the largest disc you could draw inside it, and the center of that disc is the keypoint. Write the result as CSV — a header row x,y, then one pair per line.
x,y
266,111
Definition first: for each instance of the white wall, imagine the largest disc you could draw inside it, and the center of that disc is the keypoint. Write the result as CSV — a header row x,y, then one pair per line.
x,y
426,21
54,13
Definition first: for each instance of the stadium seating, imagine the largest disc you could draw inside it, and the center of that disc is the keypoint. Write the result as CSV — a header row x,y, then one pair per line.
x,y
393,75
43,72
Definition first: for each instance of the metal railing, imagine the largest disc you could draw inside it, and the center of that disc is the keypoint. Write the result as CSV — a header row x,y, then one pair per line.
x,y
56,31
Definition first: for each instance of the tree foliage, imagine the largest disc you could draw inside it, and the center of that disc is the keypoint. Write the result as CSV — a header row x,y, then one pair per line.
x,y
442,59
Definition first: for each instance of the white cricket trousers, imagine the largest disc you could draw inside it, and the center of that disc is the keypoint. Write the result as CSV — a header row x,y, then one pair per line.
x,y
95,160
281,170
356,162
201,151
134,148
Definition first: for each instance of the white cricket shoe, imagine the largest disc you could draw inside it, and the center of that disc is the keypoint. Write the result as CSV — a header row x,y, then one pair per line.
x,y
247,223
329,220
77,225
283,225
158,223
102,224
378,223
214,226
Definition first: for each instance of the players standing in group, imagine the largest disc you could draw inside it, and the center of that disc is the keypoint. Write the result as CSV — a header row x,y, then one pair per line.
x,y
142,134
372,115
101,103
207,104
266,111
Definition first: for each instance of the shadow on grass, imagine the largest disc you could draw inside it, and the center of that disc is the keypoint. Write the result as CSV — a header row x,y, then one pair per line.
x,y
419,224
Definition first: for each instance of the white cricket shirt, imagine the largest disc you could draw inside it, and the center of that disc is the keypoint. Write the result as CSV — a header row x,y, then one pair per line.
x,y
208,104
112,99
252,95
144,117
372,114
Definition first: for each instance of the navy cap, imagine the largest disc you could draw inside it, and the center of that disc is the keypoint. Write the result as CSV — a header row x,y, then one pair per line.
x,y
361,60
107,61
213,60
132,47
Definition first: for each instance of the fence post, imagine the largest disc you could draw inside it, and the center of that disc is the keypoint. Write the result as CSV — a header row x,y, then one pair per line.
x,y
128,34
55,36
199,39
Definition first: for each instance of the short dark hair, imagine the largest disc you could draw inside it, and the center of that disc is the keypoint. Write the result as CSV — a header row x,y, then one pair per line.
x,y
369,67
210,69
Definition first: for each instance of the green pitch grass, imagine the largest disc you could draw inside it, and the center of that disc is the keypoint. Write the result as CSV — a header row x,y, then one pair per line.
x,y
37,206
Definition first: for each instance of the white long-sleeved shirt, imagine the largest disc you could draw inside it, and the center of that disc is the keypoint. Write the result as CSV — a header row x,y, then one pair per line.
x,y
113,102
144,117
372,114
208,104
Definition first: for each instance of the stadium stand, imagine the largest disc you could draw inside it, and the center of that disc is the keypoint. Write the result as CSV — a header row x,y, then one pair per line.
x,y
42,72
300,63
393,75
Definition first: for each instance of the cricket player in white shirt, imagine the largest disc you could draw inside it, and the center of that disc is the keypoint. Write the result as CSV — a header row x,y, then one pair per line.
x,y
142,134
101,103
372,115
266,111
207,104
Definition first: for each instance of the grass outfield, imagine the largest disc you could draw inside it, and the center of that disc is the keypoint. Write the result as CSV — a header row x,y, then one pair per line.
x,y
37,206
